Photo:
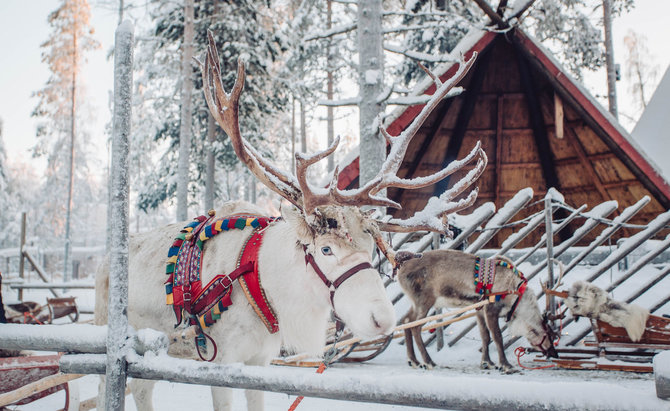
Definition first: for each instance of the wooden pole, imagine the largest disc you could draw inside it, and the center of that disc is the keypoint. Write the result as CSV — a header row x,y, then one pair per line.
x,y
116,369
22,266
548,211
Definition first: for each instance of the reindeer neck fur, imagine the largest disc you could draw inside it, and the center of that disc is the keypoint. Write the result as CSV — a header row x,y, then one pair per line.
x,y
297,295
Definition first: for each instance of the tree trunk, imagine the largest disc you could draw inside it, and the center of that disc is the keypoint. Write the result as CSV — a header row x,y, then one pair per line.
x,y
70,189
303,128
609,58
293,134
209,176
330,63
371,70
185,126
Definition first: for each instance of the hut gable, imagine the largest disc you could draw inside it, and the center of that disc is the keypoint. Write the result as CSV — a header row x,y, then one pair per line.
x,y
538,126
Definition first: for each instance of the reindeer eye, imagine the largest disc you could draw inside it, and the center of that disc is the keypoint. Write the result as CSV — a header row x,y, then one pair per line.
x,y
332,223
326,251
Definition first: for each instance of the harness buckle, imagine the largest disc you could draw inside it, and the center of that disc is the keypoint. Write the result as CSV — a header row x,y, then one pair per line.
x,y
223,282
187,292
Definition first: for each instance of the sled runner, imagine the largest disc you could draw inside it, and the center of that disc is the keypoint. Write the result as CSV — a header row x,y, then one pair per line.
x,y
27,379
612,348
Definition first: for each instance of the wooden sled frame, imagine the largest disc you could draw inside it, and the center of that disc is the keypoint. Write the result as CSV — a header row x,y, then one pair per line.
x,y
27,379
30,312
612,349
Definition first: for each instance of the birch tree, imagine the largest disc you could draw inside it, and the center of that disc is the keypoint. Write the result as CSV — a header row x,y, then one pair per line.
x,y
245,29
58,134
186,113
641,72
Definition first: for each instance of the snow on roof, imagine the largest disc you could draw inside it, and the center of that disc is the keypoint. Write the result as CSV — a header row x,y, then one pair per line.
x,y
651,130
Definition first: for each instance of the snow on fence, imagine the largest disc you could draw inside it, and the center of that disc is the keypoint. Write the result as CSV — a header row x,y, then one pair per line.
x,y
542,256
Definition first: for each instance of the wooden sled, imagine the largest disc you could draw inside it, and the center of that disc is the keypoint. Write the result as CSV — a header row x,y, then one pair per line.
x,y
27,379
29,312
613,349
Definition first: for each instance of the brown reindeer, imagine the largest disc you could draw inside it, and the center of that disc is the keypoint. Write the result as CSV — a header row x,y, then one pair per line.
x,y
445,278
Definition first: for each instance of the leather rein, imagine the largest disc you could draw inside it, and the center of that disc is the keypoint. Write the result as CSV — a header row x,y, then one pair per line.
x,y
333,285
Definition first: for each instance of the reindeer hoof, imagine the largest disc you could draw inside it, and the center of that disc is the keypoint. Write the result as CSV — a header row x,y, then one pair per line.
x,y
412,364
427,366
485,365
508,369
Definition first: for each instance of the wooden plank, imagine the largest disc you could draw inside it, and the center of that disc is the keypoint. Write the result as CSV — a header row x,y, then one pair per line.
x,y
36,387
537,124
609,130
469,99
559,116
499,137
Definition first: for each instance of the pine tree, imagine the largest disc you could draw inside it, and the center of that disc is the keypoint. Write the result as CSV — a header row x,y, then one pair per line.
x,y
58,135
243,29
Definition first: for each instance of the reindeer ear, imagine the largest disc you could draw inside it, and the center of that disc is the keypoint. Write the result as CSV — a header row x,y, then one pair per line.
x,y
296,219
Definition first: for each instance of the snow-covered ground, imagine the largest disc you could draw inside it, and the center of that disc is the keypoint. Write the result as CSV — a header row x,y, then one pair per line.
x,y
457,367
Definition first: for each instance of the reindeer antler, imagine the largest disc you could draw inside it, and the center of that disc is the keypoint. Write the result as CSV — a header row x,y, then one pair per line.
x,y
225,110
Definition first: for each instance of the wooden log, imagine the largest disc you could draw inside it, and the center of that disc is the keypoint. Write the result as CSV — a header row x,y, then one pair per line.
x,y
662,375
509,210
36,387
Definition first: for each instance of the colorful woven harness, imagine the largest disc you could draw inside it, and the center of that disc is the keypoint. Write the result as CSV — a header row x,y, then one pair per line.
x,y
204,305
484,275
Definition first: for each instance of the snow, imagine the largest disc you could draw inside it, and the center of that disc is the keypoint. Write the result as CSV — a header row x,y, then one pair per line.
x,y
372,77
662,364
457,375
650,129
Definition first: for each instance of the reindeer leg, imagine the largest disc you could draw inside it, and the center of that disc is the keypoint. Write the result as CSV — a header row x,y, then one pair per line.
x,y
486,363
142,393
409,345
494,327
416,333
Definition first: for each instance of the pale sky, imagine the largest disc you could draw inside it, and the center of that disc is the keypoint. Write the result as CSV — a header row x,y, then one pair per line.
x,y
23,27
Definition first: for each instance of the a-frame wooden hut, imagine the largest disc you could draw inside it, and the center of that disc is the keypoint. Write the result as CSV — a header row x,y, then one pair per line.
x,y
538,126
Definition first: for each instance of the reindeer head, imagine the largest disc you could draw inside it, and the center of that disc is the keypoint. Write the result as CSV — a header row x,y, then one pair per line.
x,y
328,221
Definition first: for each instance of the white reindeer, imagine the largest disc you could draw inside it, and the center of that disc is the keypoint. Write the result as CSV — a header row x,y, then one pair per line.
x,y
445,278
326,224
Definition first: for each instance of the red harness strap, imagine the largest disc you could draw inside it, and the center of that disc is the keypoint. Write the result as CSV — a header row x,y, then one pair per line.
x,y
251,283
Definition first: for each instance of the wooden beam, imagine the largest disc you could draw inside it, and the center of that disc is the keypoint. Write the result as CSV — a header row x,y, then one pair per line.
x,y
437,126
537,124
502,6
467,108
488,10
559,116
586,164
499,136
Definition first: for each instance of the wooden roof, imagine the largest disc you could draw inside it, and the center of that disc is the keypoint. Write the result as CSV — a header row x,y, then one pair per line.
x,y
516,99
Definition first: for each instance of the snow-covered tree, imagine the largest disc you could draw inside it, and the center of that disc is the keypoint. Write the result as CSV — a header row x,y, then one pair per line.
x,y
244,29
640,71
59,135
5,198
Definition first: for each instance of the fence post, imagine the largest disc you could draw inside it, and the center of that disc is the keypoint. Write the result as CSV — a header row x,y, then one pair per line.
x,y
22,266
118,266
548,210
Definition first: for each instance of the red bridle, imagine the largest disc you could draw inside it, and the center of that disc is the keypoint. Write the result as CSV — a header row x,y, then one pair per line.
x,y
333,285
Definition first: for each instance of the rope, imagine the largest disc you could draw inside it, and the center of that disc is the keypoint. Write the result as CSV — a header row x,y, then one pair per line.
x,y
327,360
520,352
